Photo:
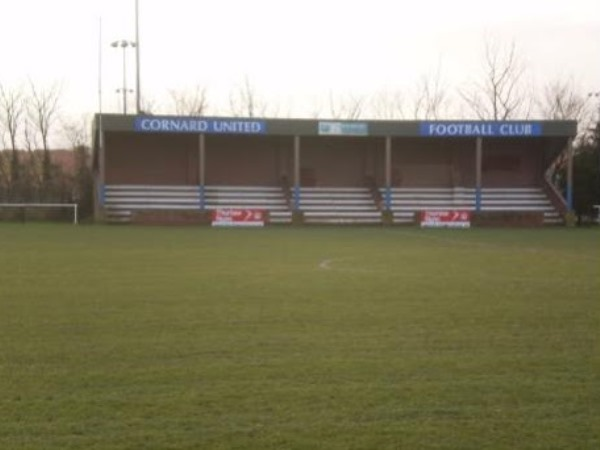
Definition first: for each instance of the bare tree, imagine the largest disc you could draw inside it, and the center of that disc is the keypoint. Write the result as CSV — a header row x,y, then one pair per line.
x,y
32,171
76,131
561,101
43,114
80,183
12,107
316,107
4,174
388,105
245,102
44,109
149,105
430,97
499,93
315,112
30,141
189,102
348,107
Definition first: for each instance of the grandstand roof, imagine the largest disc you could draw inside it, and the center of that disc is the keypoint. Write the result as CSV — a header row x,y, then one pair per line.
x,y
335,127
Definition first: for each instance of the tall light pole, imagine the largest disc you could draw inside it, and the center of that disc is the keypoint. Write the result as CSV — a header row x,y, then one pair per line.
x,y
124,44
138,89
123,92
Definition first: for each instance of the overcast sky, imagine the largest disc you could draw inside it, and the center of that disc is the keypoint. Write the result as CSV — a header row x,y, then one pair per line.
x,y
295,53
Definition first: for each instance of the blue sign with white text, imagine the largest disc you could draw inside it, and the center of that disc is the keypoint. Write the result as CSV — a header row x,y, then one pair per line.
x,y
480,129
344,128
199,125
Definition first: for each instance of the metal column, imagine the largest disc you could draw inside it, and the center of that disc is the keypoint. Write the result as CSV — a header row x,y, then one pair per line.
x,y
296,172
388,173
201,168
101,179
570,176
478,183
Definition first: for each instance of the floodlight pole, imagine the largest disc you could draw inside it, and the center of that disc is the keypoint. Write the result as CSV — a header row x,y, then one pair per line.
x,y
124,44
138,89
99,181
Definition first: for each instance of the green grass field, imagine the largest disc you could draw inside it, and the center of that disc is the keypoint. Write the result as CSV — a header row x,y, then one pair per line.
x,y
298,338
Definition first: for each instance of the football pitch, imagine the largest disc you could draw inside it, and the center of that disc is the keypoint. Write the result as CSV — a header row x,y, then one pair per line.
x,y
123,337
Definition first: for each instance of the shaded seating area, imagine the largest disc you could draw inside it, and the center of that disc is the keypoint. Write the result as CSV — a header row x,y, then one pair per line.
x,y
326,172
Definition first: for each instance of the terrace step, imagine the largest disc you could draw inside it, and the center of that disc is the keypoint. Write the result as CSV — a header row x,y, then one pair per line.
x,y
122,200
338,205
406,201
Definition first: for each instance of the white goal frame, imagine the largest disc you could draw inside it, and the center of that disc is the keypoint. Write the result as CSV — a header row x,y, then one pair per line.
x,y
25,206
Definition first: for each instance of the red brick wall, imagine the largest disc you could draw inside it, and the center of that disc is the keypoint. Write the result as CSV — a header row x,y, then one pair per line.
x,y
341,161
151,159
451,162
248,160
463,164
423,162
325,161
512,163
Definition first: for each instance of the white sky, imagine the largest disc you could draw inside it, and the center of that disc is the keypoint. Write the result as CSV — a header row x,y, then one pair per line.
x,y
295,53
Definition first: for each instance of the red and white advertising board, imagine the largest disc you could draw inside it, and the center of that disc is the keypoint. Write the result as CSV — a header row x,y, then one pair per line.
x,y
445,219
238,218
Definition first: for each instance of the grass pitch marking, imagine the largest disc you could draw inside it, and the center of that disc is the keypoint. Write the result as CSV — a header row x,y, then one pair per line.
x,y
328,264
325,264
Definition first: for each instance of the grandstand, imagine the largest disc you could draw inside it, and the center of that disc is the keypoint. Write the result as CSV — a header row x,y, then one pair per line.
x,y
327,172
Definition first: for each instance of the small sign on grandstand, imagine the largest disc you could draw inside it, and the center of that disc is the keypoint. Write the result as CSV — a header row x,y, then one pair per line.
x,y
238,218
344,128
445,219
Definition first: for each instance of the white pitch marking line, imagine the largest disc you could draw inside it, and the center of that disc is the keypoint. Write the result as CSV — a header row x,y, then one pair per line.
x,y
325,264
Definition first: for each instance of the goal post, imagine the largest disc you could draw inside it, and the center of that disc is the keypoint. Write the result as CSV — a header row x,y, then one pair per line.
x,y
25,206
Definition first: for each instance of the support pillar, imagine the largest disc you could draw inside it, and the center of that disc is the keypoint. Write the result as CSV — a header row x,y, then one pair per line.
x,y
201,169
388,173
296,173
101,179
478,178
570,176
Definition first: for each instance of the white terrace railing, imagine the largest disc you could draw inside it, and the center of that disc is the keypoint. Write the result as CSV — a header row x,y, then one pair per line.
x,y
121,201
406,201
267,198
339,205
322,205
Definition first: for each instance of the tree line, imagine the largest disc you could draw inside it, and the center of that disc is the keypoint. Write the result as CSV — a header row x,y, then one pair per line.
x,y
30,172
31,115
